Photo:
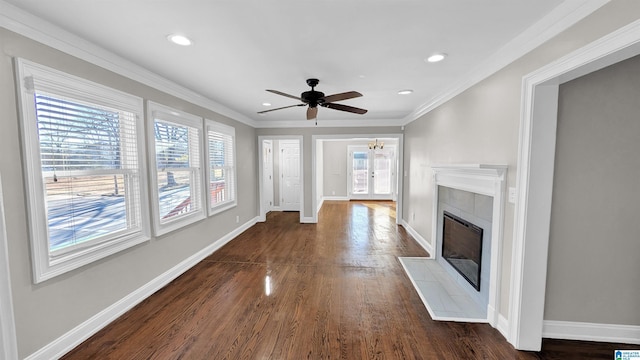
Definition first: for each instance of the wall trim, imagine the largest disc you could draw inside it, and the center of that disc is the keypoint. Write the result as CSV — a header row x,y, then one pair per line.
x,y
419,239
560,19
25,24
320,203
80,333
536,159
572,330
37,29
335,198
503,325
8,336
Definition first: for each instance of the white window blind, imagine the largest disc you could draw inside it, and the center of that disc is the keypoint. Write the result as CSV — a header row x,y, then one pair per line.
x,y
90,171
85,169
221,166
178,168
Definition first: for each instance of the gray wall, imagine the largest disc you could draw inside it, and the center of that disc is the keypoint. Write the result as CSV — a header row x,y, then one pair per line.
x,y
595,232
335,168
46,311
481,126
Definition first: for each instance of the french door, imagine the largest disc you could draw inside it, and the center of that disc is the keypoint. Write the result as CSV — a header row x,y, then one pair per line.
x,y
371,173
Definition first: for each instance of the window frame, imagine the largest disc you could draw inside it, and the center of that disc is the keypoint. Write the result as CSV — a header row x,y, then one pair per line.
x,y
211,125
31,78
177,117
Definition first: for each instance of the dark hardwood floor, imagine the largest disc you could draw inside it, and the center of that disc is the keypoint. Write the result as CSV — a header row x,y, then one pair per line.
x,y
285,290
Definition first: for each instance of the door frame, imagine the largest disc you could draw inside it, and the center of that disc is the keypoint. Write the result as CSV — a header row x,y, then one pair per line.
x,y
262,215
371,168
534,178
281,172
8,337
268,196
369,137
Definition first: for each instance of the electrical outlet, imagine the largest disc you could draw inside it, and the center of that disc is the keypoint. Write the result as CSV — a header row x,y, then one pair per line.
x,y
333,192
413,216
237,219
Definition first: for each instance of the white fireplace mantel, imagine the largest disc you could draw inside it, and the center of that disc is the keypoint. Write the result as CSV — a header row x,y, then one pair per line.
x,y
476,178
482,179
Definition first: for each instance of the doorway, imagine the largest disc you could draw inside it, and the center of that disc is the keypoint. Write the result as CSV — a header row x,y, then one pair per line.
x,y
371,173
279,166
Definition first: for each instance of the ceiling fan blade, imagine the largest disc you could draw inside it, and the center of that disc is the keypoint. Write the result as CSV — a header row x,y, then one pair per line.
x,y
312,113
280,108
341,96
346,108
283,94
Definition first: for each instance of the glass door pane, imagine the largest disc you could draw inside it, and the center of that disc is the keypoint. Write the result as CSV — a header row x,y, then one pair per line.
x,y
360,173
382,162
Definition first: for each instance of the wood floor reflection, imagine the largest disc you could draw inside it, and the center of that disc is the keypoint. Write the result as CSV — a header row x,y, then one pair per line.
x,y
285,290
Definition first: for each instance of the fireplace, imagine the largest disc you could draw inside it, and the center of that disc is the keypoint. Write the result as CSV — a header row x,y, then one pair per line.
x,y
473,193
462,247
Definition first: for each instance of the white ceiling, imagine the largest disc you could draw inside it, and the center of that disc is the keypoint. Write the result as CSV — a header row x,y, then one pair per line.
x,y
242,47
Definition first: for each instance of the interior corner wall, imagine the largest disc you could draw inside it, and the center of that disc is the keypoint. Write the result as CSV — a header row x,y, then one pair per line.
x,y
46,311
594,246
481,124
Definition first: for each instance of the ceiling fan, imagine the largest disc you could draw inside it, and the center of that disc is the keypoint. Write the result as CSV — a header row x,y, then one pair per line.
x,y
315,98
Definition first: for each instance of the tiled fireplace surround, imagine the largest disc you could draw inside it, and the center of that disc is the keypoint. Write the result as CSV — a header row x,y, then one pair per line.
x,y
474,192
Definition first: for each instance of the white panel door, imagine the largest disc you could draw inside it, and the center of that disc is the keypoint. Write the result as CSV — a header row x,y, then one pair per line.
x,y
267,175
290,175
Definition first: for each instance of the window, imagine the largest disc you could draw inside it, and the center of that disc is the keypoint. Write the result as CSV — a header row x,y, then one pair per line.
x,y
84,169
175,140
221,172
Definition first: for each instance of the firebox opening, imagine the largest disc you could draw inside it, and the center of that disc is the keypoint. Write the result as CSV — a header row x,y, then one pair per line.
x,y
462,247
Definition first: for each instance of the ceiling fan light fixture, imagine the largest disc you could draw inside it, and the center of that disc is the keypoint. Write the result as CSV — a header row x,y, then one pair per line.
x,y
405,92
179,39
436,57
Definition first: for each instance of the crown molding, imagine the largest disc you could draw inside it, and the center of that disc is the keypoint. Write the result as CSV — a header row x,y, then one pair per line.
x,y
37,29
326,123
557,21
30,26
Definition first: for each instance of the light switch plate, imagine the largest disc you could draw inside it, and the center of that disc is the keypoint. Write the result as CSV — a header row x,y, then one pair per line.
x,y
512,195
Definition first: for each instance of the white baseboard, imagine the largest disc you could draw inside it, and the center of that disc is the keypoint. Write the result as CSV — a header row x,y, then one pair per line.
x,y
421,241
319,205
80,333
503,326
335,198
570,330
308,220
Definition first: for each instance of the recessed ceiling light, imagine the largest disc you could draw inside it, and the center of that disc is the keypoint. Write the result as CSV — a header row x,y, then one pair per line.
x,y
436,57
179,39
405,92
266,104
